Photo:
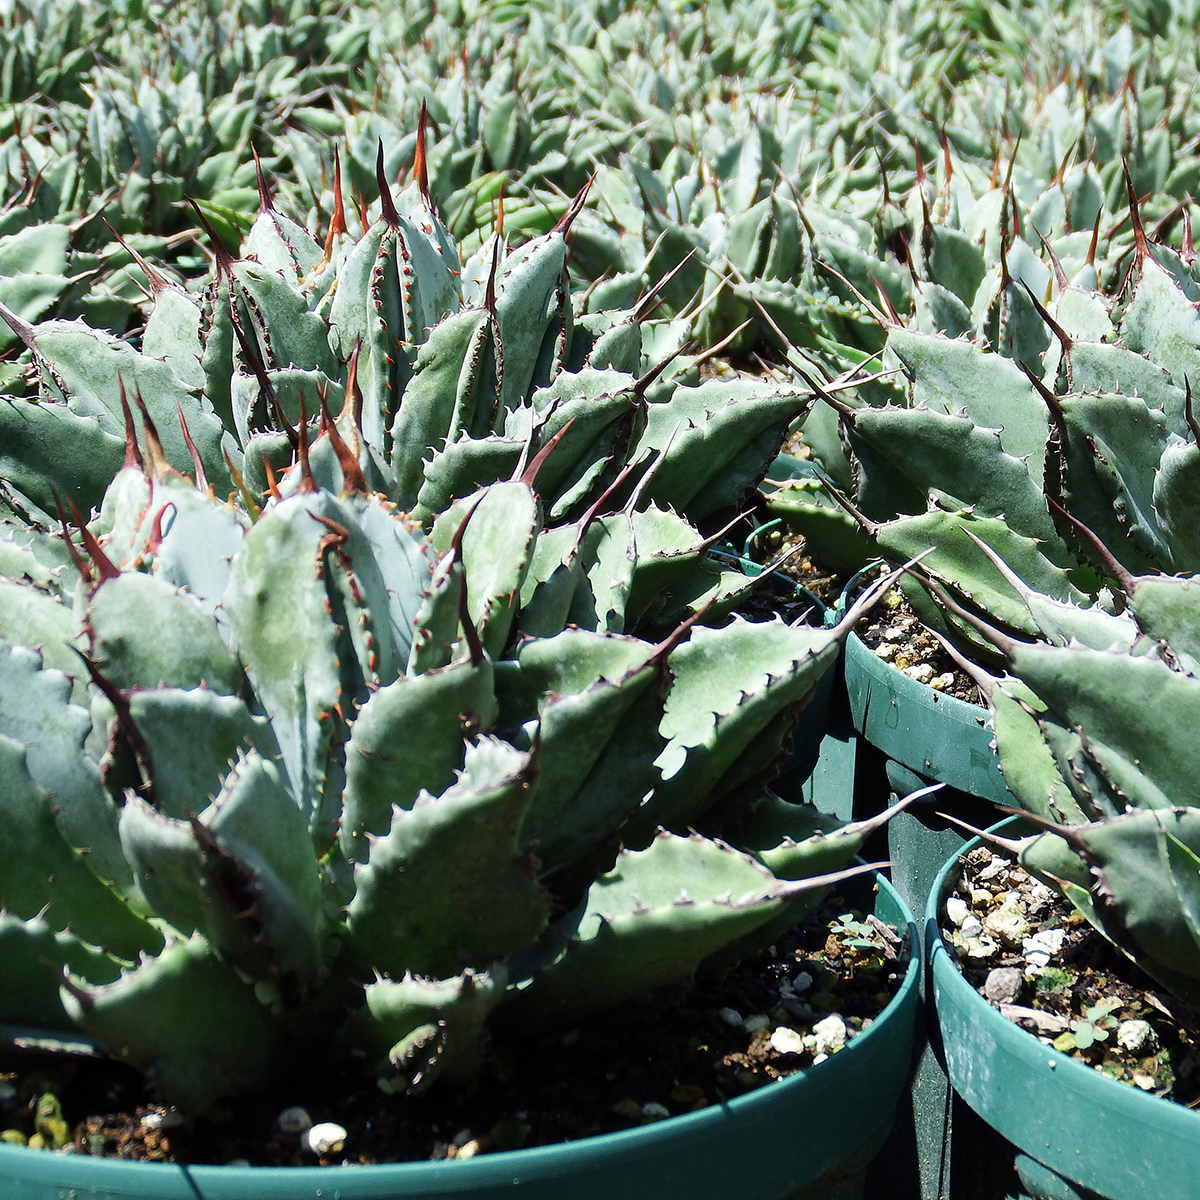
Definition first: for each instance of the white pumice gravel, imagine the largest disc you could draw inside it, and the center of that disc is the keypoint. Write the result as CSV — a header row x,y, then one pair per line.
x,y
653,1111
787,1041
830,1033
1135,1034
957,910
324,1138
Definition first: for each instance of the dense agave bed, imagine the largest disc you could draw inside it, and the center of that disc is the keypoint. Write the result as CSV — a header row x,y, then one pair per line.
x,y
400,324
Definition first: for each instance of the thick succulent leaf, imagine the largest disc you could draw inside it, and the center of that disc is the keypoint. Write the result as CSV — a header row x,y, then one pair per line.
x,y
200,536
1170,609
1162,323
608,556
244,874
31,617
281,245
434,402
1122,441
648,923
417,1029
729,684
367,311
1134,712
192,739
949,553
1099,368
28,989
172,334
952,457
452,884
554,576
1176,499
48,449
530,306
42,559
43,876
716,441
86,364
435,627
953,376
289,333
1030,769
495,551
36,710
464,466
231,1043
595,702
410,737
277,607
396,589
148,634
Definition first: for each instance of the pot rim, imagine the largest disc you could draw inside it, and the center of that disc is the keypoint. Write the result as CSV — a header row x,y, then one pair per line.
x,y
511,1166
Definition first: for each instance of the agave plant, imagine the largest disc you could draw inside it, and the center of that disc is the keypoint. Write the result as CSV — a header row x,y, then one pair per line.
x,y
294,779
1039,467
1096,745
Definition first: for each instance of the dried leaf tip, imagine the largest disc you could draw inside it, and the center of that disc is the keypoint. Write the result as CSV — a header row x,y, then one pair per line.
x,y
420,170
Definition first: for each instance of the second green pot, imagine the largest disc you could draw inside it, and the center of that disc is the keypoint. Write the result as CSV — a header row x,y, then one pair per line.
x,y
1071,1125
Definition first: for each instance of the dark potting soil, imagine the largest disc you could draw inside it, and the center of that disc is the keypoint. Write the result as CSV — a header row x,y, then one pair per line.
x,y
1036,959
680,1051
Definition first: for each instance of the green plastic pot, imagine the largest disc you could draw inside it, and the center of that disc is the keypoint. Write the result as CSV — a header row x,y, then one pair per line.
x,y
1072,1127
934,735
821,1125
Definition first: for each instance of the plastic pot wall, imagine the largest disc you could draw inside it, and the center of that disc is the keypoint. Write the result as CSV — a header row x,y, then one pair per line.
x,y
1068,1119
937,736
766,1145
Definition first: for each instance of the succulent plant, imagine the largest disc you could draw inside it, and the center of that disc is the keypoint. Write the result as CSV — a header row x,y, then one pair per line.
x,y
1096,745
296,778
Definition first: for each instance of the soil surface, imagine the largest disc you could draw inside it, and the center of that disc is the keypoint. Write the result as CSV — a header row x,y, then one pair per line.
x,y
895,634
1036,959
789,1009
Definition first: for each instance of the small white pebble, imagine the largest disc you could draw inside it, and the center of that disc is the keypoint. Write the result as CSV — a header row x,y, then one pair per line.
x,y
820,1058
468,1149
921,672
731,1016
886,651
972,926
152,1120
830,1033
802,981
957,910
787,1041
755,1023
653,1111
324,1138
294,1119
1145,1082
1133,1035
941,683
